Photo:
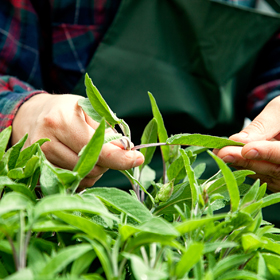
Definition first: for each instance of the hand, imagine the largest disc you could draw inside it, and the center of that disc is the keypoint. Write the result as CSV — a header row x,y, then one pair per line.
x,y
59,118
262,150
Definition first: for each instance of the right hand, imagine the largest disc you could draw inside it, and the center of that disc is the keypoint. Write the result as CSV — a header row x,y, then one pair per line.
x,y
262,150
62,120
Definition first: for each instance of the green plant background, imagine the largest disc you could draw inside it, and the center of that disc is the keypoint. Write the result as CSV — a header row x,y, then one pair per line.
x,y
171,228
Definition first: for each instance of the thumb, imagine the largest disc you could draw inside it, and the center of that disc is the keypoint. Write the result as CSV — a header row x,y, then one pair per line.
x,y
265,126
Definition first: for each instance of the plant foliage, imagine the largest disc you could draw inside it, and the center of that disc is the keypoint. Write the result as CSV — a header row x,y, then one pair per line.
x,y
166,229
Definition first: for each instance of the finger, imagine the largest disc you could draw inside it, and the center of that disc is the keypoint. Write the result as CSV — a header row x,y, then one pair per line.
x,y
116,158
63,157
268,172
264,127
87,183
262,150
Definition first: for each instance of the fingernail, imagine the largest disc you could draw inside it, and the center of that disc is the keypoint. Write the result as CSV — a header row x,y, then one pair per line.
x,y
252,154
228,159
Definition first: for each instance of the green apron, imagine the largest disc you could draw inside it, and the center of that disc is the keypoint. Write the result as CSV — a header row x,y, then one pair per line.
x,y
194,56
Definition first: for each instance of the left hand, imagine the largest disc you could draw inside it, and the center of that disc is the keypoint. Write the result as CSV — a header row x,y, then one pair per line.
x,y
262,150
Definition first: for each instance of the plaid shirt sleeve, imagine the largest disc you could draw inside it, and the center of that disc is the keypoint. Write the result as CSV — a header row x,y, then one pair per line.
x,y
77,28
13,94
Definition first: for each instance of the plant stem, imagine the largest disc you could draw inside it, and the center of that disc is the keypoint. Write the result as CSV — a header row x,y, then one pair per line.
x,y
14,251
148,145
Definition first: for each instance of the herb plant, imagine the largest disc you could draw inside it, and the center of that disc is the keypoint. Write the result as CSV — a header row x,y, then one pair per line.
x,y
166,229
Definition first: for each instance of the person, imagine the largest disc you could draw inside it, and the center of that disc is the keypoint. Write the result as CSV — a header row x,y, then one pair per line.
x,y
46,47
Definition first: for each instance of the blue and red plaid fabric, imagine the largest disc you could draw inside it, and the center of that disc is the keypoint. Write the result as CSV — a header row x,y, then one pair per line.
x,y
77,28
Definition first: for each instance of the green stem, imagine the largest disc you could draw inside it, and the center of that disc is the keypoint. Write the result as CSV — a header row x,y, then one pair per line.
x,y
148,145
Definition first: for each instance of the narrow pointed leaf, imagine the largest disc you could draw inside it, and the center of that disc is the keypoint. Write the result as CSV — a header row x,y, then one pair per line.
x,y
162,133
63,258
98,103
201,140
230,262
191,177
189,259
190,225
230,181
239,274
271,199
4,140
15,151
149,136
90,111
28,152
91,153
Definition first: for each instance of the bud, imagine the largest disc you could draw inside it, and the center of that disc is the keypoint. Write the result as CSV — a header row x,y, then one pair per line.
x,y
165,192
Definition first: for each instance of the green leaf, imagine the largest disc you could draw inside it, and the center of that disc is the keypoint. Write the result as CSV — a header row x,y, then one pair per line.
x,y
230,262
162,133
3,271
240,274
145,238
63,258
148,175
159,226
54,203
190,257
103,258
91,153
193,183
48,179
142,271
111,137
149,136
14,201
220,186
230,181
271,199
122,202
251,195
24,273
17,187
251,242
28,152
190,225
15,151
81,264
90,111
201,140
213,246
98,103
4,140
92,229
52,225
272,259
27,171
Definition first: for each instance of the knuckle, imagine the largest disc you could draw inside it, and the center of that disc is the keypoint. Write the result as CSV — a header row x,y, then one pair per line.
x,y
258,125
51,121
